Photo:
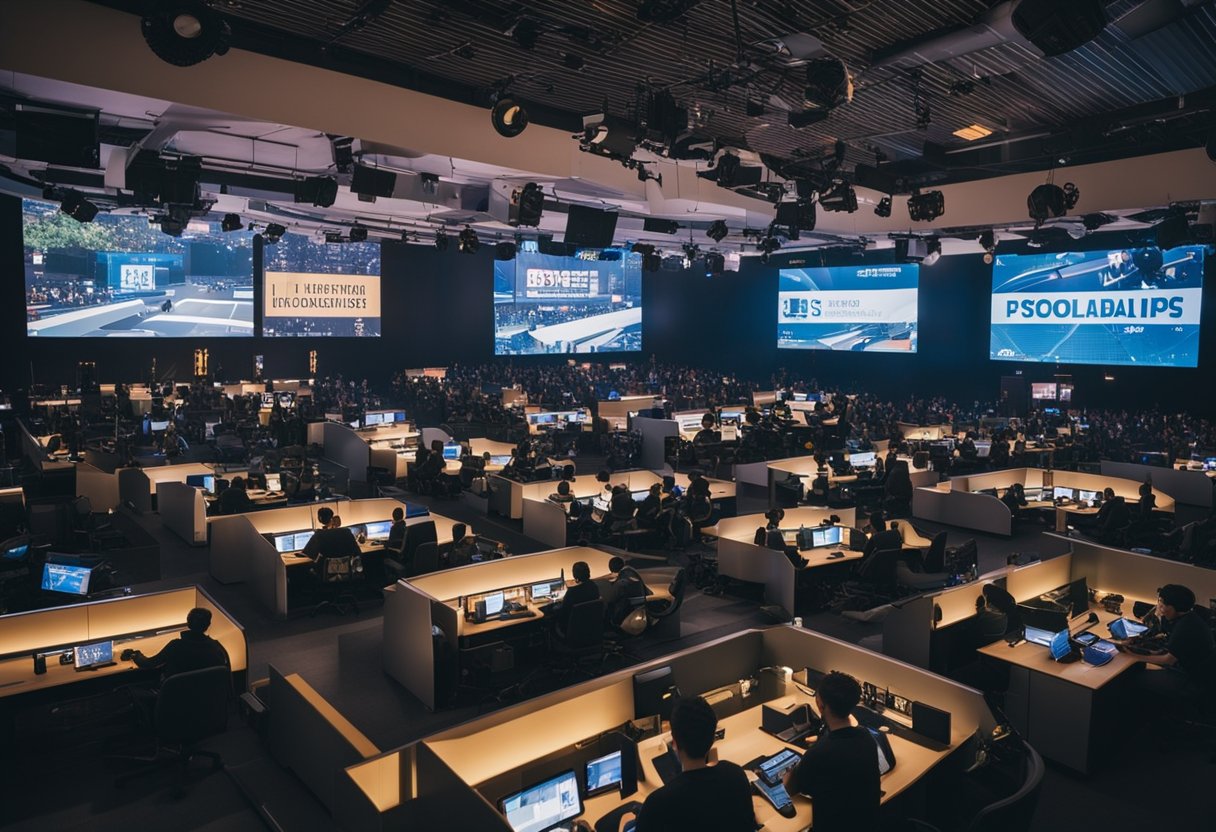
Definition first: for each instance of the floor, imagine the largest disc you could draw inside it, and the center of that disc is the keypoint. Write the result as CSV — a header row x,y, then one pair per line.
x,y
68,783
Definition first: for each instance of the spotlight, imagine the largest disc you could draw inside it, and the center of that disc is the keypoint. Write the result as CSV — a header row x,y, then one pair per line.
x,y
933,251
467,242
797,215
717,231
441,240
608,136
344,155
767,246
839,196
828,84
173,224
883,208
77,207
527,204
273,233
1048,201
526,33
358,233
321,191
925,250
185,33
988,244
715,263
508,117
231,222
504,251
926,207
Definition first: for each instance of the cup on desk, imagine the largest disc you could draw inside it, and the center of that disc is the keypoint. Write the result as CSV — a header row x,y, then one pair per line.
x,y
797,620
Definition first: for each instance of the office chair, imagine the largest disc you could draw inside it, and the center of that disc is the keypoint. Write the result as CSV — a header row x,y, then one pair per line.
x,y
190,707
934,558
583,639
85,525
920,460
338,579
426,559
1009,814
415,535
664,615
874,581
379,478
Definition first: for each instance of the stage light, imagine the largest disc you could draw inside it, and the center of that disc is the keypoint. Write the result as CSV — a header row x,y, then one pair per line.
x,y
358,233
988,243
608,136
344,155
321,191
883,208
504,251
828,84
508,117
527,205
933,251
77,207
715,263
926,207
526,33
231,222
441,240
717,231
1049,200
467,242
840,196
185,33
273,233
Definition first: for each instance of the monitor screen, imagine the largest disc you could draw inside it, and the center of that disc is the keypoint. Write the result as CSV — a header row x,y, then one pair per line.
x,y
274,482
16,552
552,304
1038,636
730,432
1060,493
982,449
157,427
494,602
1078,596
119,276
1124,628
1061,645
451,452
604,773
90,655
1087,496
544,805
826,536
320,289
196,480
1043,390
862,460
541,592
379,530
267,401
500,460
60,577
373,419
849,308
398,416
209,483
1128,306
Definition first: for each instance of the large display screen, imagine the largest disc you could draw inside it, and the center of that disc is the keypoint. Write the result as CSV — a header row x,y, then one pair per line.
x,y
849,308
320,289
118,276
547,304
1131,306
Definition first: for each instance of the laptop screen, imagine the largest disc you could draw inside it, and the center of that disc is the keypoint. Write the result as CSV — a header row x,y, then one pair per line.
x,y
88,655
1034,635
1061,645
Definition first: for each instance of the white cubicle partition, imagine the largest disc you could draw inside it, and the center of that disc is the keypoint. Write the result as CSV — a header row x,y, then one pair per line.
x,y
1135,576
183,510
98,486
654,433
616,411
137,487
1186,486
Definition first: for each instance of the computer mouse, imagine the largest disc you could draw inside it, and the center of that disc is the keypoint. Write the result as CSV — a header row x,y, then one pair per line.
x,y
788,810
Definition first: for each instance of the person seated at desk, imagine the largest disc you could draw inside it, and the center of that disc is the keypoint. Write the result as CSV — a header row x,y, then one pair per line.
x,y
584,589
562,496
839,771
620,590
330,541
881,537
706,794
1015,499
998,456
770,537
464,546
192,650
708,434
1187,668
651,507
396,532
235,500
1112,515
1148,503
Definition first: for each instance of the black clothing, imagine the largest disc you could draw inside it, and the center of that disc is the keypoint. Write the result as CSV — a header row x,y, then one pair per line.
x,y
575,595
332,543
886,539
840,774
235,501
396,536
191,651
622,505
1190,641
715,797
1113,514
648,511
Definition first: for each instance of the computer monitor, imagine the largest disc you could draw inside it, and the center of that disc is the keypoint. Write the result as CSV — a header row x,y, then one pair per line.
x,y
493,602
1087,496
66,578
285,543
373,419
1078,597
983,449
1043,619
1039,636
542,591
1061,645
159,426
209,483
603,774
302,539
85,656
826,536
451,452
501,459
730,432
1060,492
15,552
544,805
1123,628
274,482
863,460
379,530
196,480
398,416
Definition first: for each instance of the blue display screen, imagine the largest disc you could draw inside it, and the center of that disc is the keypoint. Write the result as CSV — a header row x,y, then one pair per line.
x,y
849,308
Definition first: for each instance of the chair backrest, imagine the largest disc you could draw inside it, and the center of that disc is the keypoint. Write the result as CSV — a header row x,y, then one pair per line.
x,y
585,627
676,589
426,558
341,570
920,459
879,568
459,531
935,558
620,511
193,705
415,535
1014,813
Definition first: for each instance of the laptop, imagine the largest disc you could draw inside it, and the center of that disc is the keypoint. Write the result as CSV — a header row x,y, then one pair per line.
x,y
1035,635
91,656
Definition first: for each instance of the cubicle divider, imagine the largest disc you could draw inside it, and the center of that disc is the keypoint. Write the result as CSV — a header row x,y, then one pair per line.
x,y
1186,486
347,448
183,510
100,487
616,411
1135,576
654,433
138,487
807,468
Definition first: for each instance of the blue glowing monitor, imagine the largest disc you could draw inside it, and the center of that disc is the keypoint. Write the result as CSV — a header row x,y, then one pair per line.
x,y
60,577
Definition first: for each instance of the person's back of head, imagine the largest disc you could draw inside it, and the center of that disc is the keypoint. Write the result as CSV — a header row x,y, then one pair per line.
x,y
1180,597
877,522
238,483
1108,493
398,515
603,476
838,693
198,620
581,571
693,724
774,516
563,488
325,516
336,522
616,564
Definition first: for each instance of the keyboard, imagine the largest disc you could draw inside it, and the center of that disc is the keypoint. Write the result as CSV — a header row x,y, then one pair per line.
x,y
507,616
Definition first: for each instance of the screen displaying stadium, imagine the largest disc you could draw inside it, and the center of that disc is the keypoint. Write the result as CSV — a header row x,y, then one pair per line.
x,y
848,308
1137,306
548,304
314,289
118,276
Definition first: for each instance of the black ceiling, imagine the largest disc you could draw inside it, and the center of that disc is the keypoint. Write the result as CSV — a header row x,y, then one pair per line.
x,y
1114,96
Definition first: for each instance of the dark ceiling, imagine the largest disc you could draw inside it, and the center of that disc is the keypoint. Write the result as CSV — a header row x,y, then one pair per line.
x,y
1117,95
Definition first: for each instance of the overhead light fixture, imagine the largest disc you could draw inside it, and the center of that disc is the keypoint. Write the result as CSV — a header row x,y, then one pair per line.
x,y
441,240
730,172
231,222
927,206
174,223
883,208
321,191
839,196
608,136
358,233
273,233
1049,200
505,251
508,117
527,205
796,215
768,245
715,263
975,131
924,250
77,207
344,154
526,33
988,244
933,251
717,231
828,84
467,242
186,32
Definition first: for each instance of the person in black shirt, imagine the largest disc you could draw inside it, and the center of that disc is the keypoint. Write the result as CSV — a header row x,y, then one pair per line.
x,y
703,796
396,533
193,650
584,589
235,500
330,541
840,771
1188,667
881,537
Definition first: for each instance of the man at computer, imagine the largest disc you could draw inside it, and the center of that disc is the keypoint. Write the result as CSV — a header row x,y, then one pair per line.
x,y
881,537
839,771
396,532
620,590
192,650
330,541
235,499
584,589
707,794
1187,668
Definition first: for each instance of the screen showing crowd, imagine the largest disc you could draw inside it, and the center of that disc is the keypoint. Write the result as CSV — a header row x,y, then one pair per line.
x,y
552,304
312,289
848,308
1138,306
119,276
